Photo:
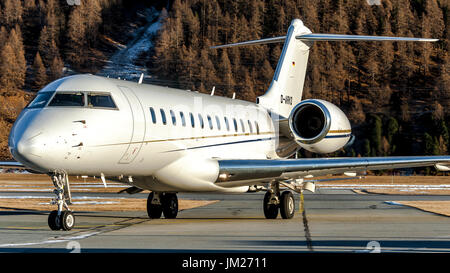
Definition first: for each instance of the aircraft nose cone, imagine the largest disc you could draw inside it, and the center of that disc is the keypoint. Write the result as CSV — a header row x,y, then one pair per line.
x,y
30,147
27,140
28,150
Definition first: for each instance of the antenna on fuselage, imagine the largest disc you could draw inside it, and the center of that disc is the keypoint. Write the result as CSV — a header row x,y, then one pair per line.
x,y
141,78
212,91
234,96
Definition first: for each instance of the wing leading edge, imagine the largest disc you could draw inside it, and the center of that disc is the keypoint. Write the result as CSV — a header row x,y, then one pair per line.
x,y
264,170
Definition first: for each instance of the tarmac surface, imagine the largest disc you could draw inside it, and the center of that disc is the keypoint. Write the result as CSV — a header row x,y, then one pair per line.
x,y
334,221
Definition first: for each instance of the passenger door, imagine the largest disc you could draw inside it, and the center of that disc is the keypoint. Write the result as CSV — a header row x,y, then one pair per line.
x,y
139,125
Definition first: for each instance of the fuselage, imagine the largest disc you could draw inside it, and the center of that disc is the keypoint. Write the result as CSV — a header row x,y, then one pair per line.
x,y
96,126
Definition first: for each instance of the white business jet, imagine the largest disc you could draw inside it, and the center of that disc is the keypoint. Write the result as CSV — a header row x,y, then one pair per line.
x,y
168,140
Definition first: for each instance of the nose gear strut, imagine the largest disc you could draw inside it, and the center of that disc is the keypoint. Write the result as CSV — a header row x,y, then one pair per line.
x,y
59,219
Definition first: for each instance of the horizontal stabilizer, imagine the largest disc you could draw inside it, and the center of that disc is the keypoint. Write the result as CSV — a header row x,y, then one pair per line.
x,y
318,37
340,37
254,42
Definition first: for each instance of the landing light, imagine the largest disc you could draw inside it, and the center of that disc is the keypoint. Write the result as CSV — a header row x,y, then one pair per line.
x,y
223,176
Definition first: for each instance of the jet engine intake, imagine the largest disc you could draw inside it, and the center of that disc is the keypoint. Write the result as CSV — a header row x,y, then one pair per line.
x,y
319,126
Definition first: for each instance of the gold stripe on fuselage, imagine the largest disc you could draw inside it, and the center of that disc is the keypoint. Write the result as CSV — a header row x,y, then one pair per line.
x,y
184,138
339,131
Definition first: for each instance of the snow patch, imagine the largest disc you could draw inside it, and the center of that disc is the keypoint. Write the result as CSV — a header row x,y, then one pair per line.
x,y
393,203
122,63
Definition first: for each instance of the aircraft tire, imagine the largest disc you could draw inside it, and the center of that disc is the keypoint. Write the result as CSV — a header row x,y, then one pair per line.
x,y
153,211
170,205
53,221
270,210
287,205
67,220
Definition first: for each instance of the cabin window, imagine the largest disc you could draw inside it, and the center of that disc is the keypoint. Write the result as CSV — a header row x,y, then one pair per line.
x,y
40,100
226,123
75,99
152,112
243,126
250,126
100,100
218,122
163,116
174,119
210,122
200,118
235,125
257,127
192,120
183,121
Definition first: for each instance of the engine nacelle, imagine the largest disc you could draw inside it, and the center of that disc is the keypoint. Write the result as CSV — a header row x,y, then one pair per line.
x,y
319,126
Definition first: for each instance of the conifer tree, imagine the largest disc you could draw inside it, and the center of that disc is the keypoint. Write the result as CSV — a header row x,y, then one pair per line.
x,y
39,72
56,68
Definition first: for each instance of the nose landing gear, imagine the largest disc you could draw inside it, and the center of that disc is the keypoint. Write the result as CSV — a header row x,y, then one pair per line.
x,y
59,219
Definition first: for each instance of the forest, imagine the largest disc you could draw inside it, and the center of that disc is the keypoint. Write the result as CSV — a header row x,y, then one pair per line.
x,y
397,95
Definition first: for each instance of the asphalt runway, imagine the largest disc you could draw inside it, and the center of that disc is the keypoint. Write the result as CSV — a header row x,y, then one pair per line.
x,y
336,221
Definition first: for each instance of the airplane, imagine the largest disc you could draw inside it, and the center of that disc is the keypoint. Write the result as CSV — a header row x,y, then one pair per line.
x,y
169,141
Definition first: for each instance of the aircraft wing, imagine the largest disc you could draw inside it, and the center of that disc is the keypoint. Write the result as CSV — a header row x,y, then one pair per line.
x,y
11,165
248,172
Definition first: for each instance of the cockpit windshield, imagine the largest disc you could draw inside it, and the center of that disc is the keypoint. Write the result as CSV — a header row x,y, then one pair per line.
x,y
41,100
75,99
101,100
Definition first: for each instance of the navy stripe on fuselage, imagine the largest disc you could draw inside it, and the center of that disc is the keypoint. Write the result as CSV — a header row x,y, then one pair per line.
x,y
222,144
338,136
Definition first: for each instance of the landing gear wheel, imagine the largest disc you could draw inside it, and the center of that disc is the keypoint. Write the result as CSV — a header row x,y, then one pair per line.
x,y
154,211
169,203
287,205
67,220
54,222
59,219
270,210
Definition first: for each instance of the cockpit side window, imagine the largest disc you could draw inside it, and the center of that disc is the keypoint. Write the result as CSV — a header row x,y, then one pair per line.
x,y
41,100
75,99
101,100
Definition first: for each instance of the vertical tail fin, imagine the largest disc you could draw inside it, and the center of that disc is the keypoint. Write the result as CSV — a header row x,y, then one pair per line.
x,y
286,88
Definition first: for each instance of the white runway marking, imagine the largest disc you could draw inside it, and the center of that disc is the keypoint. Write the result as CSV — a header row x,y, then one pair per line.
x,y
53,241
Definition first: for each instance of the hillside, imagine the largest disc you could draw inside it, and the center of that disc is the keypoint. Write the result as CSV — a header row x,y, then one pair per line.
x,y
397,95
43,40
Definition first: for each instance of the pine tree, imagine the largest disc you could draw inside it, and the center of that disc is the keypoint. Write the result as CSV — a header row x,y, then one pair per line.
x,y
16,62
45,46
91,11
76,35
7,68
39,72
367,148
3,36
56,68
11,13
392,129
376,132
225,73
29,4
431,145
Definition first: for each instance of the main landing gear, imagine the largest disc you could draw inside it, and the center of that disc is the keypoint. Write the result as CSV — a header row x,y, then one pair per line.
x,y
159,203
59,219
274,202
